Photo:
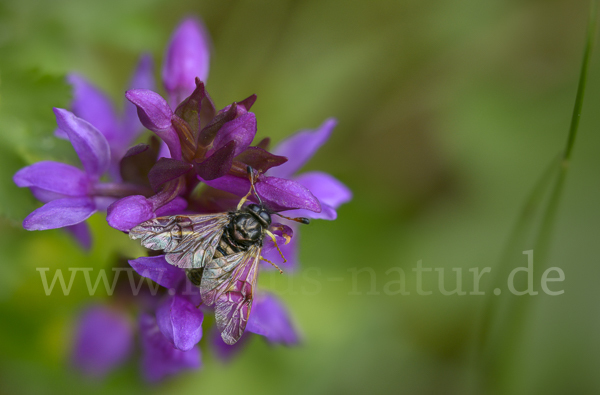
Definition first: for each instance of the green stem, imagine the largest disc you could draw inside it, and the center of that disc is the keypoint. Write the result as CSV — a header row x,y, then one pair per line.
x,y
582,81
510,333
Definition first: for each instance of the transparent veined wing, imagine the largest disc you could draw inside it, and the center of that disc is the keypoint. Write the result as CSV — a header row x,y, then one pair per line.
x,y
228,283
189,241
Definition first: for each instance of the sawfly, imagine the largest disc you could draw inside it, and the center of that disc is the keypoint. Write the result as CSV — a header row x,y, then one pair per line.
x,y
220,253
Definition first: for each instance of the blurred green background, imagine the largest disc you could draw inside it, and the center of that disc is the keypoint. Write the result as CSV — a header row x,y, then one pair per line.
x,y
449,111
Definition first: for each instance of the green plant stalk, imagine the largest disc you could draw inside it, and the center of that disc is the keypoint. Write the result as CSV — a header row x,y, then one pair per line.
x,y
511,333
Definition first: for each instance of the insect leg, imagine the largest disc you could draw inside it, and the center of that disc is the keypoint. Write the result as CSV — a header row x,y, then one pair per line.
x,y
272,236
276,267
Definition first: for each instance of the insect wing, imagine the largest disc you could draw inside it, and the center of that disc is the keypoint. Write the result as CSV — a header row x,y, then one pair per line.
x,y
188,241
229,283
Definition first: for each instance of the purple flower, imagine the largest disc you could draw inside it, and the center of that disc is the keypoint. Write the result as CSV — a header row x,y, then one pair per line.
x,y
104,335
188,57
71,195
159,357
92,105
103,340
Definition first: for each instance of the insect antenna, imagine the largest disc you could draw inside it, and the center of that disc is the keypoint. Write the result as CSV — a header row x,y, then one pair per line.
x,y
252,176
301,220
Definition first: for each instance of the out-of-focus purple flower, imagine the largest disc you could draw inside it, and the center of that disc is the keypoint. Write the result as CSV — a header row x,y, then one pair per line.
x,y
270,318
159,357
92,105
103,340
187,57
71,195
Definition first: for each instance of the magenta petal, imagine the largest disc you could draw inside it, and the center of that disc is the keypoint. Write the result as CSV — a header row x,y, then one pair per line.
x,y
228,183
218,163
81,233
188,57
128,212
60,213
157,269
270,318
44,195
159,357
330,192
241,130
277,193
143,78
281,194
91,104
326,188
300,147
103,341
180,321
166,170
155,114
91,145
54,177
174,207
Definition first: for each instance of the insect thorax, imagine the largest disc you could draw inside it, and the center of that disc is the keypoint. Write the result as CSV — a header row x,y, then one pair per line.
x,y
245,229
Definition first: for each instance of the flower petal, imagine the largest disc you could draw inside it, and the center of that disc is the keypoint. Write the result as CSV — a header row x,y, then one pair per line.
x,y
300,147
173,207
81,233
198,109
103,341
54,177
157,269
260,159
166,170
277,193
326,188
241,130
270,318
143,78
228,183
91,145
91,104
159,357
60,213
180,321
281,194
218,164
330,192
155,114
128,212
45,196
187,57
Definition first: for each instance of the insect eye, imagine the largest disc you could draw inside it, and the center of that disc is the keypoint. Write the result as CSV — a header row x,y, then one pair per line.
x,y
254,207
265,216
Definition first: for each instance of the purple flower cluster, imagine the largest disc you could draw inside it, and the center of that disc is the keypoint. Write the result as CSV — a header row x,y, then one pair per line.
x,y
197,165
